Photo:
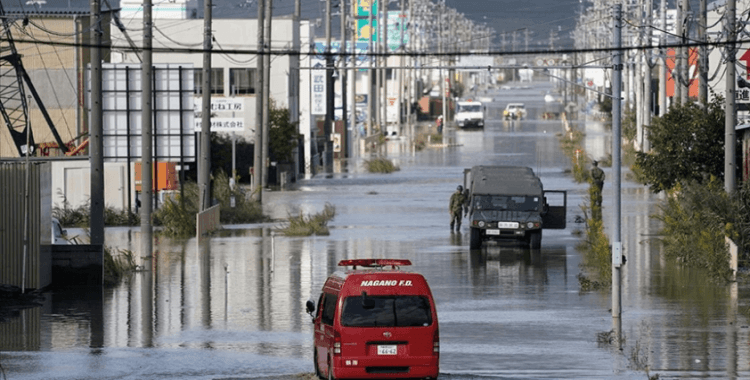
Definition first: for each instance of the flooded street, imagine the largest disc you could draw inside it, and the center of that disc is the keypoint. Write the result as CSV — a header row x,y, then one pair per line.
x,y
232,306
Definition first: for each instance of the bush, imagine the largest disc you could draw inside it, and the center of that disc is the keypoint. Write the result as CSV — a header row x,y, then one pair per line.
x,y
380,165
178,215
115,267
597,255
696,218
302,225
81,215
687,145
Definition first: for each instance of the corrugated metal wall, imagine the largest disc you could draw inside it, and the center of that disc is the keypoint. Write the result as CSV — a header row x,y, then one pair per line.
x,y
12,194
22,333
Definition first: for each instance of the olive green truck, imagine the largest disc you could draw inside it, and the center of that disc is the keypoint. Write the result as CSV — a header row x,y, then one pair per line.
x,y
509,202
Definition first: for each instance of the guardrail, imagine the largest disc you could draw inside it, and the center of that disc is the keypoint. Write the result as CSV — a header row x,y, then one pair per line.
x,y
207,221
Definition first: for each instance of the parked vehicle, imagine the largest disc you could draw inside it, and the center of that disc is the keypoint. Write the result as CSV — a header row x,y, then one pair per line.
x,y
58,233
470,113
514,111
375,321
509,202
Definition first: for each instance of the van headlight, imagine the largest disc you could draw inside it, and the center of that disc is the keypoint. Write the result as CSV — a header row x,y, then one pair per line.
x,y
530,225
481,223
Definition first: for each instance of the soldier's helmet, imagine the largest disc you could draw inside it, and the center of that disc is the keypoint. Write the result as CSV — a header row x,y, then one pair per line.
x,y
460,188
595,162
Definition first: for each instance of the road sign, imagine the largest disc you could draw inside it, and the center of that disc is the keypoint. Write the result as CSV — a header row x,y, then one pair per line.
x,y
746,57
318,89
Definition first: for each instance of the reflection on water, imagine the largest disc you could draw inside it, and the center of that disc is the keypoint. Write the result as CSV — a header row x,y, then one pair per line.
x,y
233,304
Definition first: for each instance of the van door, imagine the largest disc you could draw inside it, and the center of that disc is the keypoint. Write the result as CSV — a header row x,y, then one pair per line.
x,y
324,335
556,202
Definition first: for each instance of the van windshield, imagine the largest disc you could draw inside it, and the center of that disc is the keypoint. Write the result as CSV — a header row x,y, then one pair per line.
x,y
506,203
469,108
386,311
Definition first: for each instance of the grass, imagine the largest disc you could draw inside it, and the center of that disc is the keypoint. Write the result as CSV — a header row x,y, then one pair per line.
x,y
177,215
80,216
307,225
117,265
380,165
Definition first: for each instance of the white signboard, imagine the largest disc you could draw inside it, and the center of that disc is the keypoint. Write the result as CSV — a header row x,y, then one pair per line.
x,y
223,124
174,138
318,90
220,104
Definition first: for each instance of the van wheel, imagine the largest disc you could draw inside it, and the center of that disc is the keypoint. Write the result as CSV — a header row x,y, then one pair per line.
x,y
475,238
535,240
315,363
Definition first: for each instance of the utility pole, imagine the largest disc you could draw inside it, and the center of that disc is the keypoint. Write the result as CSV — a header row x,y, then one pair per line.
x,y
204,165
352,82
443,80
257,192
384,71
370,71
730,111
96,147
330,107
685,77
146,133
663,59
677,70
527,40
402,50
267,21
647,91
702,56
638,56
616,137
343,78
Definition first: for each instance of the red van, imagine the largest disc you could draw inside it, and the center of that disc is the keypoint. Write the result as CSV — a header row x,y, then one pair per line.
x,y
375,321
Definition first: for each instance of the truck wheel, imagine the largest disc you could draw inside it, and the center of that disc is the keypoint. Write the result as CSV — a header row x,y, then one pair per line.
x,y
475,238
535,240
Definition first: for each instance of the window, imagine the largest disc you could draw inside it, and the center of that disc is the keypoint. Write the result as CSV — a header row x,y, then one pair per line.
x,y
329,309
388,311
242,81
217,81
506,203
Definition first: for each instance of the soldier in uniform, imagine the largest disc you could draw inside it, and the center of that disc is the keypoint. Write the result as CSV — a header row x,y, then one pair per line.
x,y
456,207
597,177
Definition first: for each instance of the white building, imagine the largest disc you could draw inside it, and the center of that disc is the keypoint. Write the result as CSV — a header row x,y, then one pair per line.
x,y
178,38
717,60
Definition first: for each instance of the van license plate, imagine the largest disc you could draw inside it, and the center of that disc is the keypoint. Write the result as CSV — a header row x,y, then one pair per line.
x,y
387,350
493,232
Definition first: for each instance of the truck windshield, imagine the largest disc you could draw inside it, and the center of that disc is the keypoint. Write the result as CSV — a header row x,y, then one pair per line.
x,y
506,203
469,108
387,311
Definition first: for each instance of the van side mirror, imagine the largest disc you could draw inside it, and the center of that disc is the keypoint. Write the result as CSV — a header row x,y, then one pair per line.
x,y
310,306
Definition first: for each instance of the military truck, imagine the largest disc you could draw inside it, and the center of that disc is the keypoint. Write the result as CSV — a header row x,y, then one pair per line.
x,y
509,202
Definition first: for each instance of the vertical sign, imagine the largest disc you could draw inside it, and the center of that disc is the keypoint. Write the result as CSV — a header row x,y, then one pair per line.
x,y
318,90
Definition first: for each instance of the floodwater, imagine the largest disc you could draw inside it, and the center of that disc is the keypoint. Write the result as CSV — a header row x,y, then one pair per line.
x,y
232,307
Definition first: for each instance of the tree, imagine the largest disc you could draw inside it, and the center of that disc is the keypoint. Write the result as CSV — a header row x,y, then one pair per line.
x,y
687,145
283,134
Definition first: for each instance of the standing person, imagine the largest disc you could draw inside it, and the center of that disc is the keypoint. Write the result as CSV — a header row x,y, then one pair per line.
x,y
466,202
597,177
455,208
440,124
